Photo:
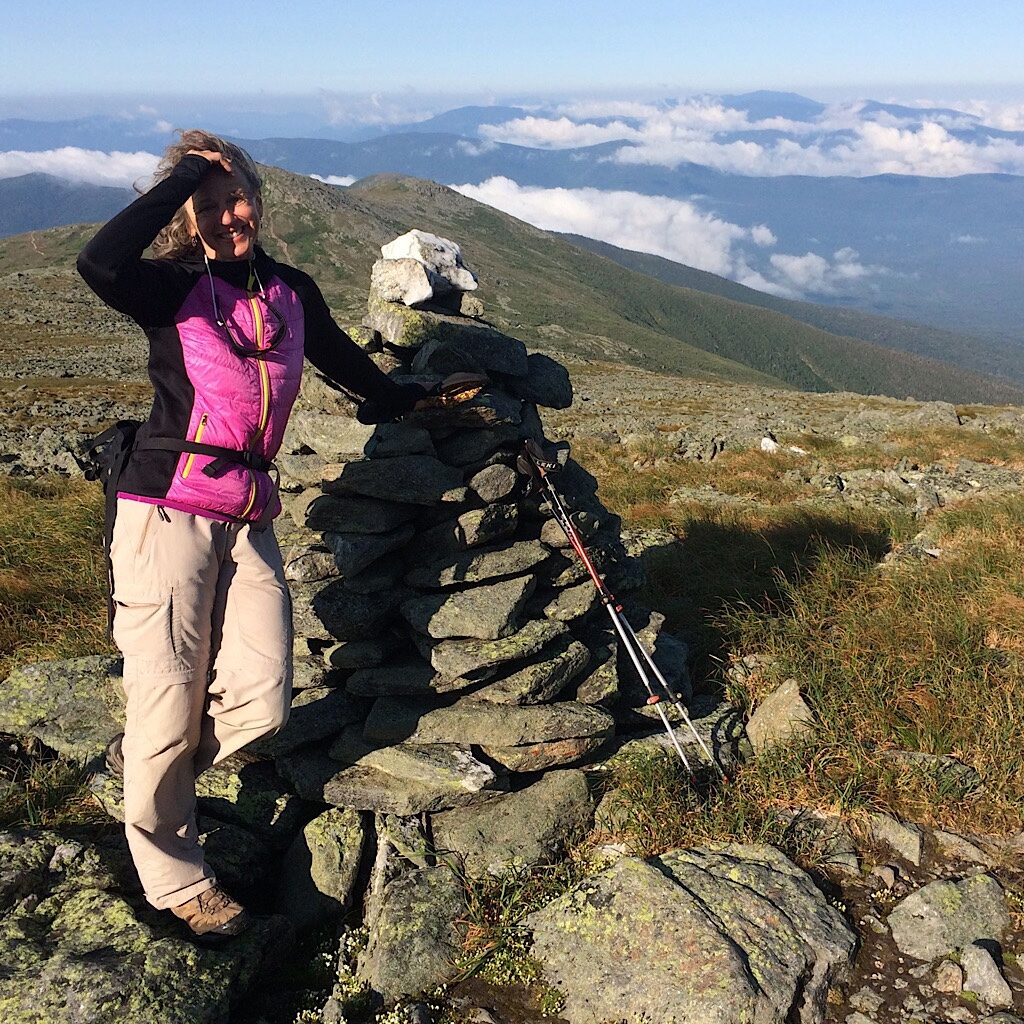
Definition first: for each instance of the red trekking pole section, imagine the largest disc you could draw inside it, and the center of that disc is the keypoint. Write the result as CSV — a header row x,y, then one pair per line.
x,y
539,468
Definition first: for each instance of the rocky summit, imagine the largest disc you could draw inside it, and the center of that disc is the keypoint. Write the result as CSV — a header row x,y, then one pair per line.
x,y
459,695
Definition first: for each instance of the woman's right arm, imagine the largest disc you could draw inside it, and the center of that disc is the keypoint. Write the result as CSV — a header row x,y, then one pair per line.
x,y
111,263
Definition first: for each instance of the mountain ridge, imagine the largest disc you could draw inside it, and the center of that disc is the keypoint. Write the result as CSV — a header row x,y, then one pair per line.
x,y
559,297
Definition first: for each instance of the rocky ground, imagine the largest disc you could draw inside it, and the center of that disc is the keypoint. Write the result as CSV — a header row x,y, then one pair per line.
x,y
457,718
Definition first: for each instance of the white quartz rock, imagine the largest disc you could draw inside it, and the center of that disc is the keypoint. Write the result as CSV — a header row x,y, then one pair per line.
x,y
439,255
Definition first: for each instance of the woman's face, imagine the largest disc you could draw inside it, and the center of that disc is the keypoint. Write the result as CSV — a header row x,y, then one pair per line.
x,y
226,216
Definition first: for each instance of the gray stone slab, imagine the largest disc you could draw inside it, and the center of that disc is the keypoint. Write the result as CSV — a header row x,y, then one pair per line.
x,y
412,479
528,827
353,552
470,658
542,678
467,721
487,612
471,529
347,514
333,611
476,565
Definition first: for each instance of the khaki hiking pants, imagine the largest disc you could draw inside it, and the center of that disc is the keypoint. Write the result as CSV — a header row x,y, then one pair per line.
x,y
203,619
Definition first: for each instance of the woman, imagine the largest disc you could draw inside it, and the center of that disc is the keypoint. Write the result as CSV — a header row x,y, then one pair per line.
x,y
202,614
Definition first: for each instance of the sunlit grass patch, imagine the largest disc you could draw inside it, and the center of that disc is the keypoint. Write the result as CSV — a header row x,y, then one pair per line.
x,y
924,658
52,575
42,790
496,943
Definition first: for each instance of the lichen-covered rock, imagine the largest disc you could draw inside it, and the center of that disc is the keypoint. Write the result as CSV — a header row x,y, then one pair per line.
x,y
531,826
541,679
983,977
405,676
330,436
487,612
469,657
469,721
73,949
719,935
245,790
782,716
494,483
321,867
316,714
537,757
411,479
476,566
73,706
434,764
945,916
471,529
362,787
414,939
573,604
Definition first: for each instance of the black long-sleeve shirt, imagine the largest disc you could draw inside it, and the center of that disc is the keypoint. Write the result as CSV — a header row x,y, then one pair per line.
x,y
170,299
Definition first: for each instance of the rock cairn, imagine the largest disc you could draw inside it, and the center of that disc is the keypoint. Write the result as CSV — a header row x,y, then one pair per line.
x,y
447,639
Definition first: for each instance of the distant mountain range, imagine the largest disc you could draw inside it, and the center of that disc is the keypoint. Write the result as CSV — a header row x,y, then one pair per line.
x,y
562,297
32,202
945,251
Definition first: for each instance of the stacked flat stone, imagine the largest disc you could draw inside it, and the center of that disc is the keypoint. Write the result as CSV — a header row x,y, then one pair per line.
x,y
447,639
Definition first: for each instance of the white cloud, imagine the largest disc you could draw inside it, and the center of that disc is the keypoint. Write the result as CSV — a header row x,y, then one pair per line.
x,y
968,239
673,228
845,139
75,164
334,179
814,274
678,230
475,148
556,133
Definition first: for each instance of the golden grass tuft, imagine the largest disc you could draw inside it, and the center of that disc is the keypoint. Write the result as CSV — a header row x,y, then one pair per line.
x,y
52,575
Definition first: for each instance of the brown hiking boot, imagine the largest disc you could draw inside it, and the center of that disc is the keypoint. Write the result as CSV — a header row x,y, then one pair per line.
x,y
115,759
213,914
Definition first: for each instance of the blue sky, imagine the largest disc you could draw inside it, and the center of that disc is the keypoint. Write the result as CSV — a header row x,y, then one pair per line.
x,y
521,47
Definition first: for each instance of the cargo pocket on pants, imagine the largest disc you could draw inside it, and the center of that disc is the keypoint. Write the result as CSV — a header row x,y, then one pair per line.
x,y
158,676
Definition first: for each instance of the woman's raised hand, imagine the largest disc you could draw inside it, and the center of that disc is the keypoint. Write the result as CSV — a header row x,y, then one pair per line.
x,y
213,156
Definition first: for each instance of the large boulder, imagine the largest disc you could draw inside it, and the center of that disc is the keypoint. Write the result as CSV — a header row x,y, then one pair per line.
x,y
321,868
73,706
531,826
73,948
718,935
944,917
441,256
414,938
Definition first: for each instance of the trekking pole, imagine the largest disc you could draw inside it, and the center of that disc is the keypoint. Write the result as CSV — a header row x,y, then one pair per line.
x,y
540,468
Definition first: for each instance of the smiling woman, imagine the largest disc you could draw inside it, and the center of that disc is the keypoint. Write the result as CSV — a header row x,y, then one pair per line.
x,y
202,610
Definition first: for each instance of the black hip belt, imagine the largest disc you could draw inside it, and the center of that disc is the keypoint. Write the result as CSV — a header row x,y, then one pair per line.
x,y
223,457
108,454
